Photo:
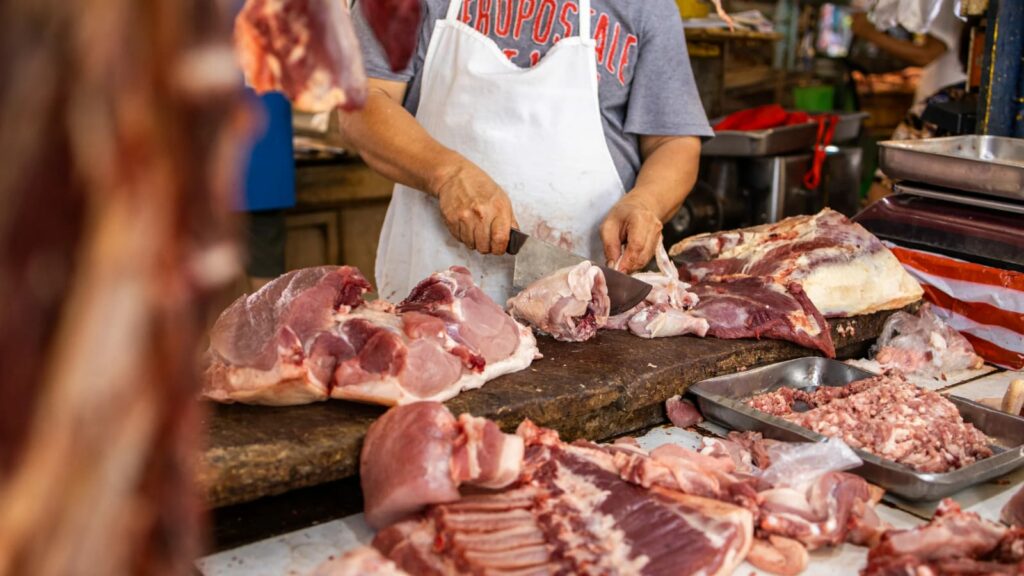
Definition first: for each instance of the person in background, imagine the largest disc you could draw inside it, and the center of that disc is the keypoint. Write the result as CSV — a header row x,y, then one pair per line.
x,y
269,190
939,53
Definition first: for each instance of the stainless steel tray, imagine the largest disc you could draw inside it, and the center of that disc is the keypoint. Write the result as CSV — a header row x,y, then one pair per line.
x,y
776,141
722,400
983,164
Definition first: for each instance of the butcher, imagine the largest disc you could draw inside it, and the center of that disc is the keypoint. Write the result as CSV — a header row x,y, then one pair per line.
x,y
575,121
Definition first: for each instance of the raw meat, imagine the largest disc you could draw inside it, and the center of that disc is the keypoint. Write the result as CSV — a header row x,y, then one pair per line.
x,y
309,335
304,48
778,555
924,344
755,307
682,413
571,512
1013,512
954,542
395,23
888,417
570,304
419,454
362,561
842,268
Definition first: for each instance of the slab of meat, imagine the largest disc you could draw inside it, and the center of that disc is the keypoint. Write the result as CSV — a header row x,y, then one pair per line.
x,y
842,268
304,48
1013,512
309,335
682,413
756,307
571,512
395,23
888,417
924,344
419,454
570,304
954,542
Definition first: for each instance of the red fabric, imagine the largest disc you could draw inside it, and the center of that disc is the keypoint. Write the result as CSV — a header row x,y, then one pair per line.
x,y
762,118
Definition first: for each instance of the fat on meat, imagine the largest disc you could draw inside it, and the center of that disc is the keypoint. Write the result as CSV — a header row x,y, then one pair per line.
x,y
924,344
361,561
1013,512
304,48
419,454
843,269
571,512
309,335
570,304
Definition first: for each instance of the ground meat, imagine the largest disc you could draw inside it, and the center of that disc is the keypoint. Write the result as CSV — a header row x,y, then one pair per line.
x,y
888,417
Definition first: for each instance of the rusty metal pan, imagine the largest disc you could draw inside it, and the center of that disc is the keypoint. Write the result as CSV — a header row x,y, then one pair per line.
x,y
723,400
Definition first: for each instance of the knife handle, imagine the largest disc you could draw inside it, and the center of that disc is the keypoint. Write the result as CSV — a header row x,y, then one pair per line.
x,y
516,239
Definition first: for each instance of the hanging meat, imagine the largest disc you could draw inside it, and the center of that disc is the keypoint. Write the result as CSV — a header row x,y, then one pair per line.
x,y
304,48
395,23
121,124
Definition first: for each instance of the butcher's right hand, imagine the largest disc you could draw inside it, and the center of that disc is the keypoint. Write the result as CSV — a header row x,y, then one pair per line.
x,y
476,210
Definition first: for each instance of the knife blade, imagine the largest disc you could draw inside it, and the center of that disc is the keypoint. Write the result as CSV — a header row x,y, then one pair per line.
x,y
536,259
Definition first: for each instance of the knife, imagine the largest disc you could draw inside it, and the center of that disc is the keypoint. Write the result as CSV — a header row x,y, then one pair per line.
x,y
536,259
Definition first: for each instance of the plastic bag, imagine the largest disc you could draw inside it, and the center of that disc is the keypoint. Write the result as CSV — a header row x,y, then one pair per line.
x,y
799,465
914,15
923,344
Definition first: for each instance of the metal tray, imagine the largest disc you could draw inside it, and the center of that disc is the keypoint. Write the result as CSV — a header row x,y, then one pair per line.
x,y
983,164
722,400
776,141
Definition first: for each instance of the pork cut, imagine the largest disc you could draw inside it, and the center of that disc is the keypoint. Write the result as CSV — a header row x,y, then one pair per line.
x,y
309,335
954,543
571,512
304,48
419,454
889,417
843,269
1013,512
396,24
570,304
924,344
361,561
682,413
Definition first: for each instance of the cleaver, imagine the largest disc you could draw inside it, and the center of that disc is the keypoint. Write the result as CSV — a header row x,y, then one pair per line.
x,y
536,259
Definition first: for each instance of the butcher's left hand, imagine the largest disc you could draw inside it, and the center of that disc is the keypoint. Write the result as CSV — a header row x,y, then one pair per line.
x,y
633,223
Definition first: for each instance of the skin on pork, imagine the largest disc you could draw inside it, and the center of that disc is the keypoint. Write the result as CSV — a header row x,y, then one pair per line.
x,y
570,304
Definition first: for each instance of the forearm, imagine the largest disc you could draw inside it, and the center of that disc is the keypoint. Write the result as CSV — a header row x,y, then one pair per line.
x,y
392,142
668,173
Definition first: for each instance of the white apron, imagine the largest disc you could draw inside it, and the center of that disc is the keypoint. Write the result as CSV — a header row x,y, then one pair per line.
x,y
536,131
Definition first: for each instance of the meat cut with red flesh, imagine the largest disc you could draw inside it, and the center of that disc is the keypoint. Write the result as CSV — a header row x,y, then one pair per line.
x,y
953,543
682,413
889,417
396,24
309,335
571,513
756,307
1013,512
569,304
419,454
843,269
304,48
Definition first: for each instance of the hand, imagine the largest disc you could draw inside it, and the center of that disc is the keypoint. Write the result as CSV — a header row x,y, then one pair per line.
x,y
861,26
476,210
633,223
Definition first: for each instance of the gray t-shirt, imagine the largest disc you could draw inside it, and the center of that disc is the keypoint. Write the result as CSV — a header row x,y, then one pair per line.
x,y
646,85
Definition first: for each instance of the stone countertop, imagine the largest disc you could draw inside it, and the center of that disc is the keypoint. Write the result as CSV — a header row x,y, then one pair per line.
x,y
609,386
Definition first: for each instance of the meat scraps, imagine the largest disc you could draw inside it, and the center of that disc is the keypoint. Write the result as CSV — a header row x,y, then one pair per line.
x,y
572,304
419,454
954,542
571,510
682,413
924,344
887,416
843,269
304,48
309,335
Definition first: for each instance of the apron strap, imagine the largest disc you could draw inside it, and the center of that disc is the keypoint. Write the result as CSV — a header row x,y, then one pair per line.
x,y
455,6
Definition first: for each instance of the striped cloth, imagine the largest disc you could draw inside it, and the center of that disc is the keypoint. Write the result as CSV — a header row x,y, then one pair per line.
x,y
985,304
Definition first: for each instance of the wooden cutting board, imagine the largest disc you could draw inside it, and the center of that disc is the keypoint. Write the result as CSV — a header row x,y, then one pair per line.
x,y
612,385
